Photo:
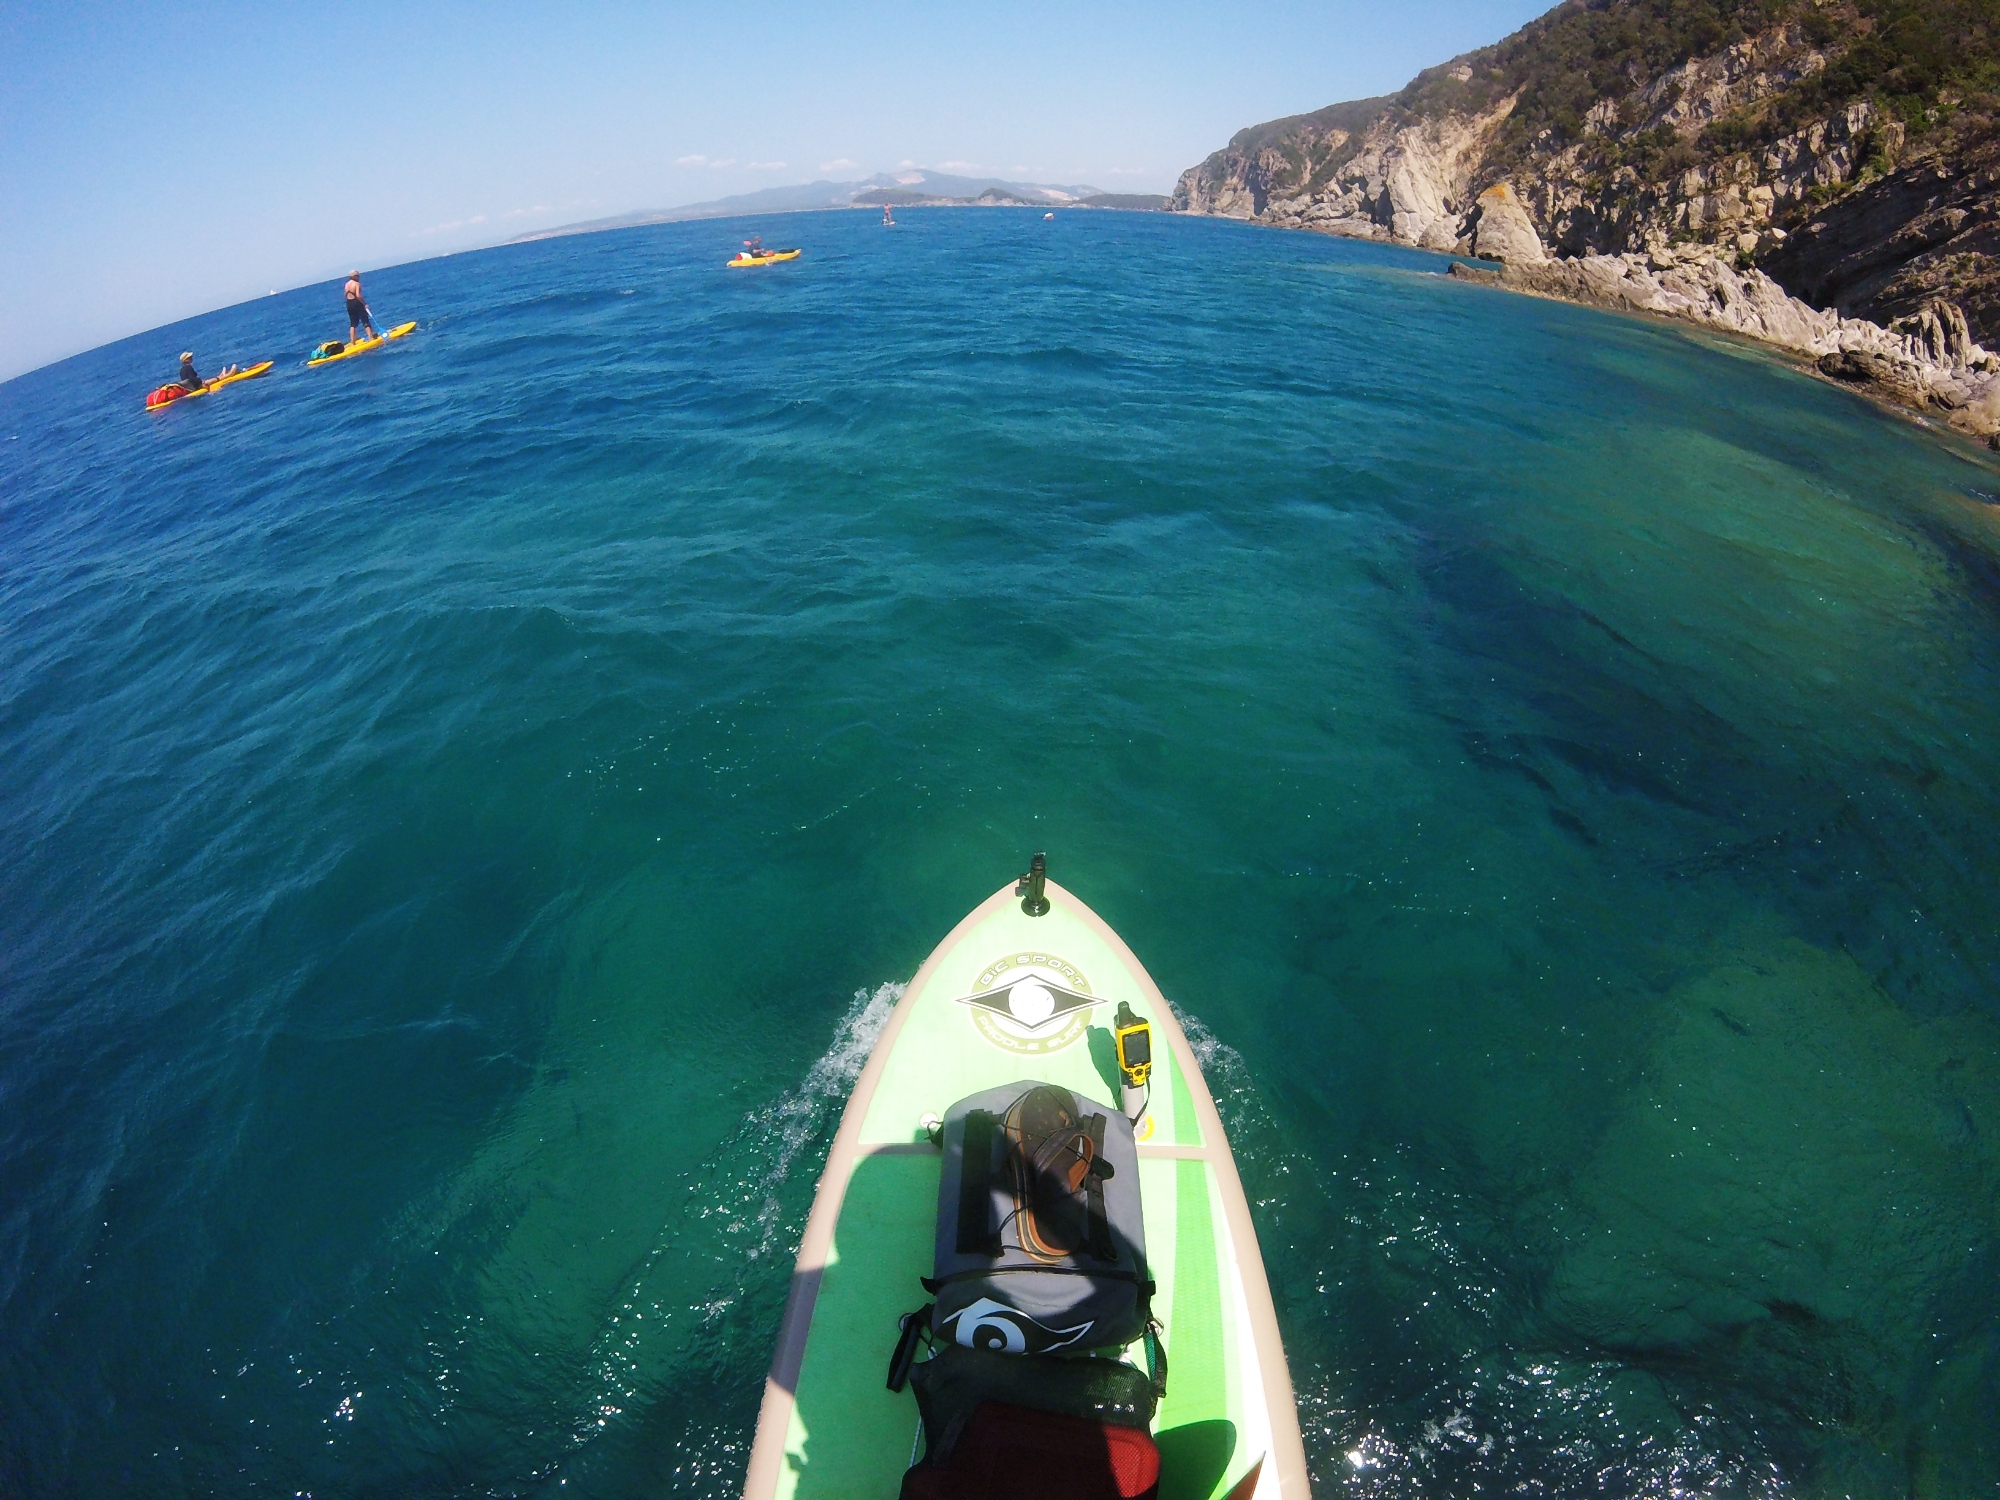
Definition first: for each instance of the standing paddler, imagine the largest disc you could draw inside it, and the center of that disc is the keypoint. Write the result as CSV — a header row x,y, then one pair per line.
x,y
358,316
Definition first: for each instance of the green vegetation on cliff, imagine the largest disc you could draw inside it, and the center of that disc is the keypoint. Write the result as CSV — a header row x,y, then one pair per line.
x,y
1931,65
1925,61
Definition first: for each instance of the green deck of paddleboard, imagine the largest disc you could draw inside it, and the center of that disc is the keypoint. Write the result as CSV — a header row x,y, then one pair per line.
x,y
848,1435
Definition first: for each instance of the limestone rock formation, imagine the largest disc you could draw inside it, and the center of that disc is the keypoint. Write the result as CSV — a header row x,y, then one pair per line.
x,y
1917,235
1378,179
1503,231
1631,173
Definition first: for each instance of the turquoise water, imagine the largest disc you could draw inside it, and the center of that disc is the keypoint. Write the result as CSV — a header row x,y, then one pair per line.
x,y
467,809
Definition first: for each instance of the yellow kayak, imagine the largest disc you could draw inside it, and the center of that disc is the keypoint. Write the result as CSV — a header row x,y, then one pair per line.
x,y
768,258
332,350
167,395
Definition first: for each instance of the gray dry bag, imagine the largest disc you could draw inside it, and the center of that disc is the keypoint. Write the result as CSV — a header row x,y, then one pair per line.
x,y
1041,1247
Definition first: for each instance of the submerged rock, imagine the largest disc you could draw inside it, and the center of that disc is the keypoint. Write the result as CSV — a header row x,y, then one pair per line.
x,y
1803,1185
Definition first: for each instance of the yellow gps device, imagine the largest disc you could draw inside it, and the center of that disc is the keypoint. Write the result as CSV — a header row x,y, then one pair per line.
x,y
1134,1036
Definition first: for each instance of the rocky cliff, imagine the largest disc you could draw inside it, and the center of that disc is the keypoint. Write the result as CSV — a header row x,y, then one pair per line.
x,y
1818,173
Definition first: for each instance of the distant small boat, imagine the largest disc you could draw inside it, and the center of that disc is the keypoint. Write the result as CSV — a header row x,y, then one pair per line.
x,y
1048,216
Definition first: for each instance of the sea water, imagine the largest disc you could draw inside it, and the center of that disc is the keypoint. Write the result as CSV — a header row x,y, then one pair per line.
x,y
466,812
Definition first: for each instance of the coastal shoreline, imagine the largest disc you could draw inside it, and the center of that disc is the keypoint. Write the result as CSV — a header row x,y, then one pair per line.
x,y
1923,417
1931,373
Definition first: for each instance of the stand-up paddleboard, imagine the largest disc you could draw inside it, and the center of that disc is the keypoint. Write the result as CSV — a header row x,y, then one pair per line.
x,y
1008,996
328,352
168,395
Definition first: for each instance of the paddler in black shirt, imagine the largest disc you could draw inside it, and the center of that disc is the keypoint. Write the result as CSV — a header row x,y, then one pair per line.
x,y
190,380
357,310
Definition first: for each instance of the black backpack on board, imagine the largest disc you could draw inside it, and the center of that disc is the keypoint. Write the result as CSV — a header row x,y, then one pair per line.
x,y
1041,1245
1040,1258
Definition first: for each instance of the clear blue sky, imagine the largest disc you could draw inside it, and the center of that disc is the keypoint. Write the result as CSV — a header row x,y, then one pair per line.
x,y
161,159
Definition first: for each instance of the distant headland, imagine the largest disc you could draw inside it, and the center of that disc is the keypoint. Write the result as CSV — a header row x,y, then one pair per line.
x,y
914,188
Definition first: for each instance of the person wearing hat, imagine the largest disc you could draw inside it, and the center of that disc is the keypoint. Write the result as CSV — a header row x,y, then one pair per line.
x,y
190,380
357,310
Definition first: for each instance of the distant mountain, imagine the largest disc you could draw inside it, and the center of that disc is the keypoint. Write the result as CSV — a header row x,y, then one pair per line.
x,y
917,186
800,198
900,197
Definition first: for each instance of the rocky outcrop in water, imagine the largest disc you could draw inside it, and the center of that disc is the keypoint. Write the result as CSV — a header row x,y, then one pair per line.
x,y
1817,173
1502,230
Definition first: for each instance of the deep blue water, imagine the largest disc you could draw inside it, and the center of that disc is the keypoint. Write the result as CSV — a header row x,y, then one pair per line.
x,y
461,808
